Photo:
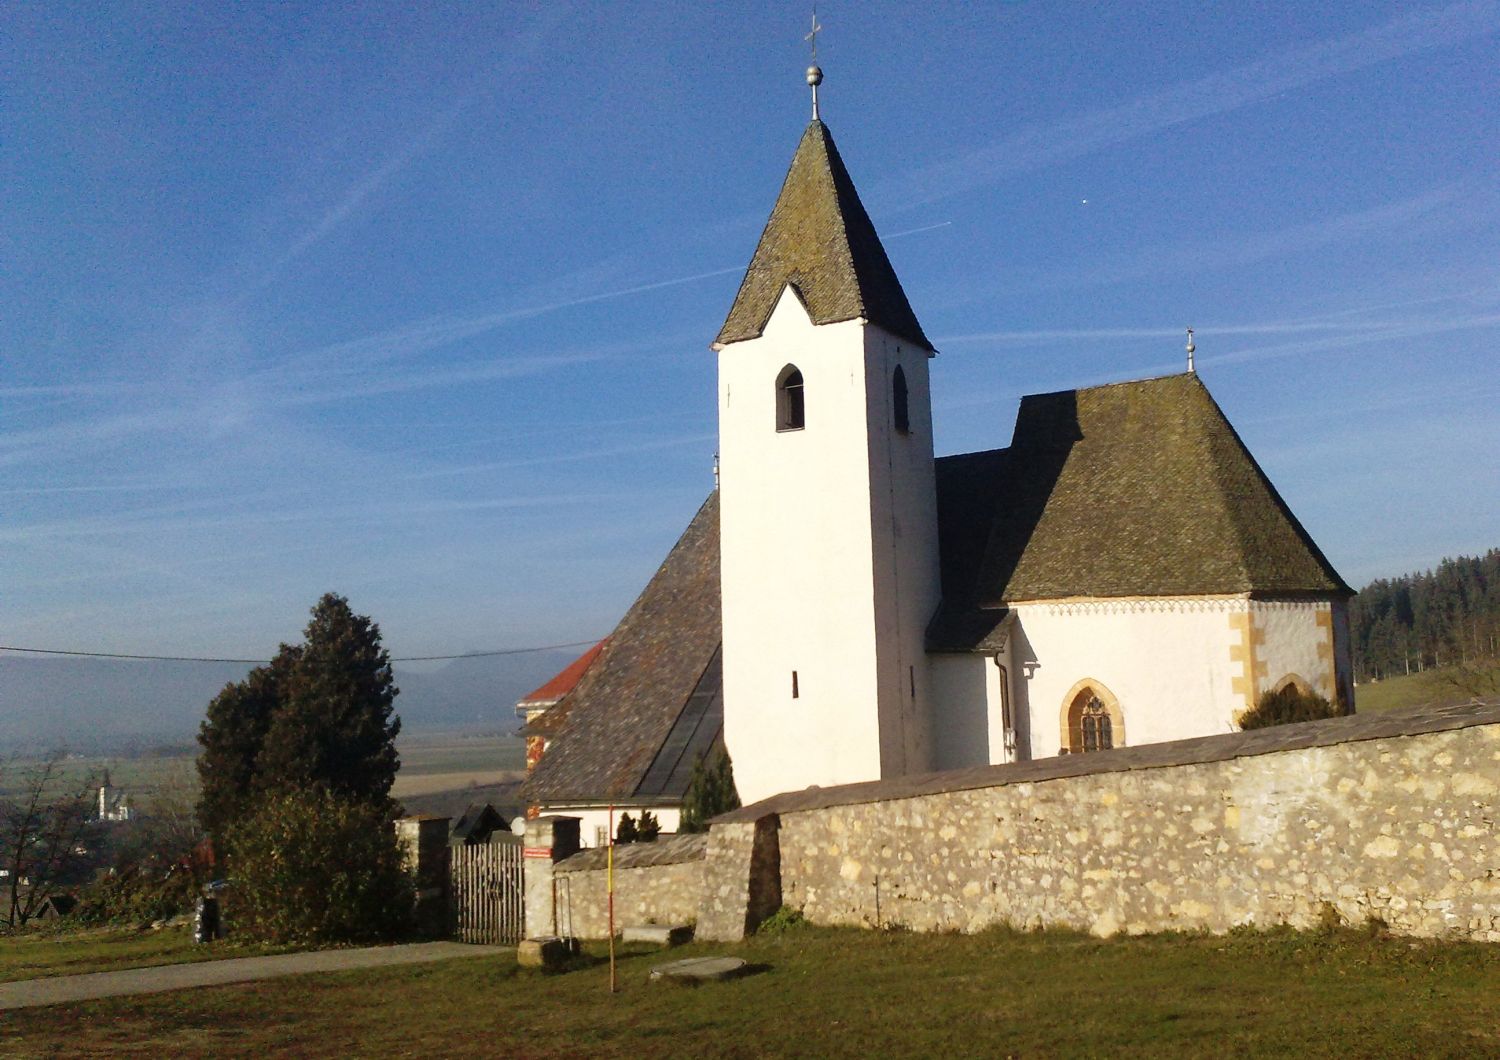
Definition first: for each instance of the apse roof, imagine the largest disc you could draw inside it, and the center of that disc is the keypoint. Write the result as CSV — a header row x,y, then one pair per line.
x,y
1131,489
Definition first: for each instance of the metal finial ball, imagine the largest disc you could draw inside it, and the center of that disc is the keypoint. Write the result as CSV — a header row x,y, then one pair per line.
x,y
814,76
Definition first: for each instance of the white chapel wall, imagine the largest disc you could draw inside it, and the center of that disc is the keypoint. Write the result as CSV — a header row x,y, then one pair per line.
x,y
1177,667
1294,639
1168,667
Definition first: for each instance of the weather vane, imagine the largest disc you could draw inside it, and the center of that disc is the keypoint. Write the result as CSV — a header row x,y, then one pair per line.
x,y
814,72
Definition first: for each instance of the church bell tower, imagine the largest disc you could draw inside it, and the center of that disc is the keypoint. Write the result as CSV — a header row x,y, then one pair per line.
x,y
829,553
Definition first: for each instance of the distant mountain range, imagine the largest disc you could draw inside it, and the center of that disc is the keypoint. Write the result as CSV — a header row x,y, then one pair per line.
x,y
116,706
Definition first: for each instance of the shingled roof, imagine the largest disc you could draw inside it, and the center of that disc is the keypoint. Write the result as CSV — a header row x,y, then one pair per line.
x,y
1131,489
553,691
820,240
651,699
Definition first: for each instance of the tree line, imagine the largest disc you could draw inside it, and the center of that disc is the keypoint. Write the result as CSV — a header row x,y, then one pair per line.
x,y
1445,617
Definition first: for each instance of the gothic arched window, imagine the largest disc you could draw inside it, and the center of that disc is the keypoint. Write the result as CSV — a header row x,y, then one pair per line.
x,y
1092,720
791,412
1096,732
899,399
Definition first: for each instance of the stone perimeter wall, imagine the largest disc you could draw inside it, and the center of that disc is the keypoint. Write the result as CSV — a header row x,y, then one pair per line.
x,y
1405,828
655,883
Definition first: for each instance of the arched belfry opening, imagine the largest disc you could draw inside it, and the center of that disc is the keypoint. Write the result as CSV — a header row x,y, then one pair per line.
x,y
901,405
1092,720
791,403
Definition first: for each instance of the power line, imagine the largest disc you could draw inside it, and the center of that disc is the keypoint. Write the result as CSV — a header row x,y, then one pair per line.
x,y
208,659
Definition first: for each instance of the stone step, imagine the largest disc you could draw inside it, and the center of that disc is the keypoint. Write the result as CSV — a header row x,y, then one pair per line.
x,y
657,934
696,970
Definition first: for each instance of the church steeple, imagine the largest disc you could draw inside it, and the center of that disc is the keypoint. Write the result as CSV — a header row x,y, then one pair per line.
x,y
820,240
828,506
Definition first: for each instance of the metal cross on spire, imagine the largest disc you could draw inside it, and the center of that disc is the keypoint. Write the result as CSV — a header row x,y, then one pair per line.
x,y
814,72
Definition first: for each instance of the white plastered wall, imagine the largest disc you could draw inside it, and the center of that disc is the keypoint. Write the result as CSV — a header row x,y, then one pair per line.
x,y
593,822
818,530
903,527
1177,667
967,711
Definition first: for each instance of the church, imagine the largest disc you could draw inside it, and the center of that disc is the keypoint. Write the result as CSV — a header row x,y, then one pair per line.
x,y
847,607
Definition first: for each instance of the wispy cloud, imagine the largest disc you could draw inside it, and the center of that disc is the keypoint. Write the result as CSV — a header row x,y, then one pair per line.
x,y
1215,94
601,453
1405,219
1396,331
1344,321
518,51
354,197
153,523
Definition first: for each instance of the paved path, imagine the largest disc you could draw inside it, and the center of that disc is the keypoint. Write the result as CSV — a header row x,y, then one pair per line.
x,y
62,989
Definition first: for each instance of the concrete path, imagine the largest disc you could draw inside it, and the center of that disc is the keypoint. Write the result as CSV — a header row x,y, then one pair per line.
x,y
63,989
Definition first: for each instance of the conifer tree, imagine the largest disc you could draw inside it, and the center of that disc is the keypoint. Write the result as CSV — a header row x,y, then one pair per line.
x,y
710,792
232,735
335,727
320,715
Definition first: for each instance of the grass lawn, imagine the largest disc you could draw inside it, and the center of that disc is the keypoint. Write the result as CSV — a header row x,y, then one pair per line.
x,y
1408,690
34,954
846,993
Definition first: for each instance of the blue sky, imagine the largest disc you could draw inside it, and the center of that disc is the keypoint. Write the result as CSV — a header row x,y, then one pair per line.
x,y
413,302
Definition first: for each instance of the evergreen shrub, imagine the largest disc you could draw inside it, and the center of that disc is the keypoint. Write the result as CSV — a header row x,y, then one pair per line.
x,y
310,867
1285,705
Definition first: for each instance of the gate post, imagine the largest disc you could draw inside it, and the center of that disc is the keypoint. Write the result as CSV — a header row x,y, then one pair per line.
x,y
424,845
548,840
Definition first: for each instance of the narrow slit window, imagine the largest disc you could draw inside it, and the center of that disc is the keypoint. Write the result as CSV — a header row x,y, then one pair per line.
x,y
790,400
900,401
795,692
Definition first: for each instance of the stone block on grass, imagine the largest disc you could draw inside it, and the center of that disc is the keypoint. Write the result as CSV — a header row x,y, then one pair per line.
x,y
547,952
695,970
657,934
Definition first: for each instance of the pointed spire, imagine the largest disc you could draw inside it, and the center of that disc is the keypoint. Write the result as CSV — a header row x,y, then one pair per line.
x,y
820,240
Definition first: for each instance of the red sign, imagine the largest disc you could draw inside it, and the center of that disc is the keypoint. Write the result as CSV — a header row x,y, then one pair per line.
x,y
536,852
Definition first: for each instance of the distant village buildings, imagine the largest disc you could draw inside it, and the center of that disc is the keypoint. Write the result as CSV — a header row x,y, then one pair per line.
x,y
847,607
113,803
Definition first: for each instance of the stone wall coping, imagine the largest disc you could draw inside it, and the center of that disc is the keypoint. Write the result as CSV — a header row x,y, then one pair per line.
x,y
1411,721
667,851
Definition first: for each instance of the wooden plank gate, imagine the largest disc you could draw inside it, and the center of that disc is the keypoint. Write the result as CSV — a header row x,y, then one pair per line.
x,y
489,892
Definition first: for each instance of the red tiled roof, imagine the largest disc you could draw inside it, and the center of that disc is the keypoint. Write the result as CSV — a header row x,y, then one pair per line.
x,y
561,684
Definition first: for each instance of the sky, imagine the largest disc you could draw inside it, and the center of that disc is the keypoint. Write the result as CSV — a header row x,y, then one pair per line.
x,y
414,302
